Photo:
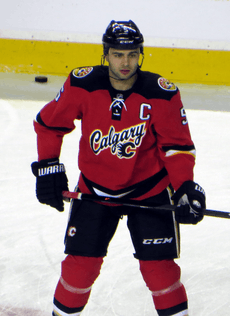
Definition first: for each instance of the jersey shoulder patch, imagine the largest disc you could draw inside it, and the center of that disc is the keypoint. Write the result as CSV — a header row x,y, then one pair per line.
x,y
154,86
82,72
166,84
89,78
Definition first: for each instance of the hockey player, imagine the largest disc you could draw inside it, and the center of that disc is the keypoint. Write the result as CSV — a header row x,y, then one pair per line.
x,y
136,144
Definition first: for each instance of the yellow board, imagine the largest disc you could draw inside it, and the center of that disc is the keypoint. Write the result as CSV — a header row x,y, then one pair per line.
x,y
59,58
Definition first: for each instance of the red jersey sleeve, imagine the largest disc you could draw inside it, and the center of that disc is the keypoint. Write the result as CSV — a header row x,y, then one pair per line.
x,y
57,119
175,145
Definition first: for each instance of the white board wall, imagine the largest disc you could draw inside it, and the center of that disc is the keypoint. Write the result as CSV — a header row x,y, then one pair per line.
x,y
170,23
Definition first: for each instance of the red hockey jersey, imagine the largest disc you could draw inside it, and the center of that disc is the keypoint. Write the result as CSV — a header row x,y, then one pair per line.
x,y
133,142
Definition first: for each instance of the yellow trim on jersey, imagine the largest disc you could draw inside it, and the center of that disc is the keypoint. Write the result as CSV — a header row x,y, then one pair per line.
x,y
177,235
172,152
59,58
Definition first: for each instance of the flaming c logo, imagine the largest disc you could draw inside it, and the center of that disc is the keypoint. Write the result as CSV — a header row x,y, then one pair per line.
x,y
123,143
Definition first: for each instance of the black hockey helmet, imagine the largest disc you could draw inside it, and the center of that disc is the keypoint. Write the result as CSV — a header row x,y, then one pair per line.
x,y
122,35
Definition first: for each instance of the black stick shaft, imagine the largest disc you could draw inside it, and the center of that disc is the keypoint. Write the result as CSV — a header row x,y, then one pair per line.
x,y
134,203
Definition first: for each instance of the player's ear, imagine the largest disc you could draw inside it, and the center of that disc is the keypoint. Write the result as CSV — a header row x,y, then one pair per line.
x,y
103,59
107,57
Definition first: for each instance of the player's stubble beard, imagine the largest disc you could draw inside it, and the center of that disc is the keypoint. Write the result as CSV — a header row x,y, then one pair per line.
x,y
122,83
116,76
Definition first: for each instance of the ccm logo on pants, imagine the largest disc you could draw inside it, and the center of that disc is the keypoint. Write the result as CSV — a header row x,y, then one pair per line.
x,y
157,241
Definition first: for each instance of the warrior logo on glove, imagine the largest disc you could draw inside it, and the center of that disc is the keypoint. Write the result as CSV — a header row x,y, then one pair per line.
x,y
51,169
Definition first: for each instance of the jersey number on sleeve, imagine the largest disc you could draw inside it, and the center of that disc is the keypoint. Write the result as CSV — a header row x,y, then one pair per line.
x,y
184,117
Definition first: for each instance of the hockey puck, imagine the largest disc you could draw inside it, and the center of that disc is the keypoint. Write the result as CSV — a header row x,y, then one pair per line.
x,y
41,79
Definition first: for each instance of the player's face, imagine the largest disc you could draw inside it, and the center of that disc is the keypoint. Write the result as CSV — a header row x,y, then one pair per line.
x,y
122,63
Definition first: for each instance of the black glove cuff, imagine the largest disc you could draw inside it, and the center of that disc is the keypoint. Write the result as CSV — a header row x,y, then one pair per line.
x,y
47,166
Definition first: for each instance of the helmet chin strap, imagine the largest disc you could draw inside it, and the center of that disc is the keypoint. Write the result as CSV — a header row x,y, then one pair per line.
x,y
143,56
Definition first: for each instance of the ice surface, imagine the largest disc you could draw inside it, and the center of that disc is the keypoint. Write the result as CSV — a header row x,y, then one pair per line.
x,y
31,235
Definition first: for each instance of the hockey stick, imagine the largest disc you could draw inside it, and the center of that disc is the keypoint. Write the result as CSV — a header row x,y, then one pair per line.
x,y
134,203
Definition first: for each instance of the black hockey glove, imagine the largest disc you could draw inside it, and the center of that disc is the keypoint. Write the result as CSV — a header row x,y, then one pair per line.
x,y
190,201
51,181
